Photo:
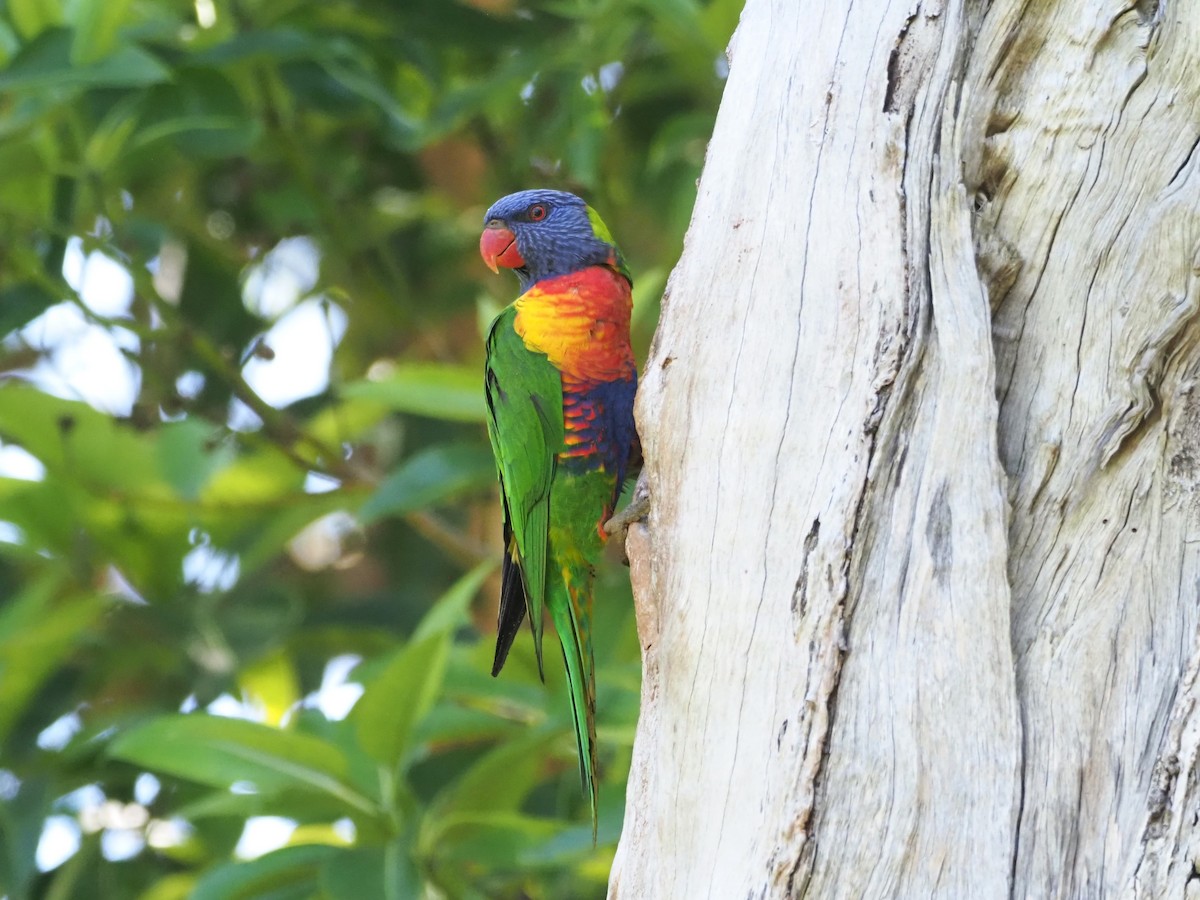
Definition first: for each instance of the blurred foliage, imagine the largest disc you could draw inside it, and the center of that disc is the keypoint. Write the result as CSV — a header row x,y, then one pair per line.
x,y
201,546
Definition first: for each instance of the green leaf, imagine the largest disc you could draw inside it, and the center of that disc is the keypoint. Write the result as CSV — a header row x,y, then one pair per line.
x,y
453,724
499,782
401,126
22,819
291,866
37,629
272,685
450,610
431,476
398,697
497,840
77,442
647,295
346,420
176,886
274,45
202,112
222,752
45,64
572,844
33,16
387,873
266,477
9,43
108,139
454,393
261,537
96,23
21,303
188,455
222,804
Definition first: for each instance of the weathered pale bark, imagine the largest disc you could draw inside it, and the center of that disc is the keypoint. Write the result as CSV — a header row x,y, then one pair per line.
x,y
918,592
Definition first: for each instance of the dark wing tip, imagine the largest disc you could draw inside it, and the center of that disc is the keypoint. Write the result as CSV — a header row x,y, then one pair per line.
x,y
512,609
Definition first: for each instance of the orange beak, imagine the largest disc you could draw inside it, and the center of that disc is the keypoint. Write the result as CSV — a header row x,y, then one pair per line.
x,y
498,247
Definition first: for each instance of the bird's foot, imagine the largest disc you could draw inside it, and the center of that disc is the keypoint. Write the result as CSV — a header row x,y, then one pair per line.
x,y
636,511
636,547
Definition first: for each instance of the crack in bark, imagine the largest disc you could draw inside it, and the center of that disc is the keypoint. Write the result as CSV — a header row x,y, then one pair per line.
x,y
939,532
1139,412
1187,159
893,67
800,594
1150,12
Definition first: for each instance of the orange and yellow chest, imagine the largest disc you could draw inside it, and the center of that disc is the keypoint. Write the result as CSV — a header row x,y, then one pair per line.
x,y
581,322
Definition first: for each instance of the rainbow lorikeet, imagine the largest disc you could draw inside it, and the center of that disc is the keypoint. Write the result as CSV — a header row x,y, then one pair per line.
x,y
560,380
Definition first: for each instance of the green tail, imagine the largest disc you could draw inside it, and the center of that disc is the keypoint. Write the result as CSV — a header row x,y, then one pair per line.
x,y
576,545
572,621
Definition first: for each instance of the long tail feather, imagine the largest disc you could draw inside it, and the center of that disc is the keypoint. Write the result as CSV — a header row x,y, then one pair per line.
x,y
572,621
533,567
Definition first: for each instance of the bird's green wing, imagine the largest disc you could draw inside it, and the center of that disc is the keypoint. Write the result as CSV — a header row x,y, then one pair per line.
x,y
525,424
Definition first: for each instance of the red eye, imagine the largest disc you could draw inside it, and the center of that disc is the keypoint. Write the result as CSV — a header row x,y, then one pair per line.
x,y
537,212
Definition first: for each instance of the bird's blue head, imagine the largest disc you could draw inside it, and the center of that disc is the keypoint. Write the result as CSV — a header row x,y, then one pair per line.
x,y
540,234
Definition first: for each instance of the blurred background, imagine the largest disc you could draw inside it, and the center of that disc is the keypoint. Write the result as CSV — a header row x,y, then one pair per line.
x,y
249,530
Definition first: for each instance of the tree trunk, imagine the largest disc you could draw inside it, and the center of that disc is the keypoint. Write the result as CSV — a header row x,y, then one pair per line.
x,y
918,591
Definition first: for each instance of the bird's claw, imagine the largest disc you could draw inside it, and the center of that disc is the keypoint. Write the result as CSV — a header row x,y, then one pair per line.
x,y
637,509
